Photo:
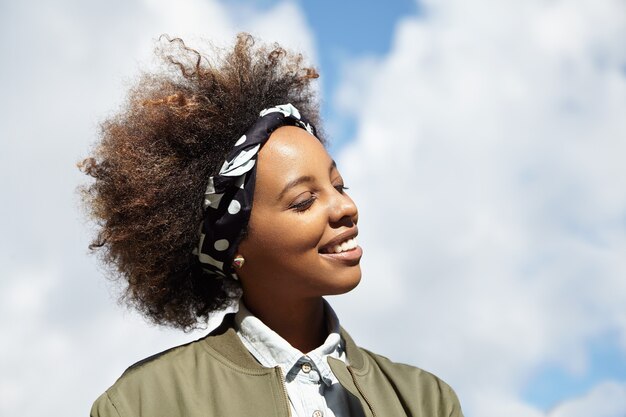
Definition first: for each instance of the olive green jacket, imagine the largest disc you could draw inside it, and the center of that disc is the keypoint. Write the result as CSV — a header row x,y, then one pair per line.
x,y
216,376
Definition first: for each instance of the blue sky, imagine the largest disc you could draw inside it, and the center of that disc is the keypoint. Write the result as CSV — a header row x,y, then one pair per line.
x,y
482,141
351,29
551,383
344,30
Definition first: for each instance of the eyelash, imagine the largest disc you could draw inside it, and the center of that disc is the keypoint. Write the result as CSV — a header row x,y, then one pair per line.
x,y
304,205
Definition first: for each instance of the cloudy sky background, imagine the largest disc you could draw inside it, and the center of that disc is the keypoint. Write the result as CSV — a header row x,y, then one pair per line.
x,y
482,140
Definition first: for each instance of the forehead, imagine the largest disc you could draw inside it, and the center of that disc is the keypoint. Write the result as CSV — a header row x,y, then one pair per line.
x,y
290,152
291,146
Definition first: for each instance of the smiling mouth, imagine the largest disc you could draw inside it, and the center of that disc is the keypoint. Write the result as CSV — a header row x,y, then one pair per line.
x,y
343,249
345,246
342,242
349,257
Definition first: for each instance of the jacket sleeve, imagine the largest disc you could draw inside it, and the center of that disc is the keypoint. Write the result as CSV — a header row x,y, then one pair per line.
x,y
454,405
104,407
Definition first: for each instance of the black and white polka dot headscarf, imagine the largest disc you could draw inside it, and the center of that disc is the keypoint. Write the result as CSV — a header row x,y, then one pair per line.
x,y
229,194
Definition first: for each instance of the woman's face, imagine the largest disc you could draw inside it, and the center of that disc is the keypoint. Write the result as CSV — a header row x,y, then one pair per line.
x,y
301,216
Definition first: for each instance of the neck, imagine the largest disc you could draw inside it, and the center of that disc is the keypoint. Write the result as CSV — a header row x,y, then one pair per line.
x,y
302,323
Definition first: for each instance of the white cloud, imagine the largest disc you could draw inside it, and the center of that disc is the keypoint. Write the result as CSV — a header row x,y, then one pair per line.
x,y
488,170
605,400
285,23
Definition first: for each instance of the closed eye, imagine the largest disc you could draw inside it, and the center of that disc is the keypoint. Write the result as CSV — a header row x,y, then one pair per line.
x,y
303,205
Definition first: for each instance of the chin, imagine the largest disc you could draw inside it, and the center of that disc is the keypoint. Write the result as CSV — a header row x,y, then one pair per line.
x,y
347,282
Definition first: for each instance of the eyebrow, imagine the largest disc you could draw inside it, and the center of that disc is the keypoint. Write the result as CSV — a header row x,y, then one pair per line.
x,y
303,179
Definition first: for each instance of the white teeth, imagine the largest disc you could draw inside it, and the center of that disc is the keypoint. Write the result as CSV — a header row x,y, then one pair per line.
x,y
345,246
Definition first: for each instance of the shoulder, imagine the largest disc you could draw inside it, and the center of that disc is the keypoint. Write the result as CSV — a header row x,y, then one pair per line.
x,y
404,372
185,379
413,382
166,364
182,361
417,390
398,373
158,376
170,382
176,357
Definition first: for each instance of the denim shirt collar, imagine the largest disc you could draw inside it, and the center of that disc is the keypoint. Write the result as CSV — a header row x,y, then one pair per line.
x,y
271,350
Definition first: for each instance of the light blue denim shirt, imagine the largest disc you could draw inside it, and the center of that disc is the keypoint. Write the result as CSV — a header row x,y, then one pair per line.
x,y
312,388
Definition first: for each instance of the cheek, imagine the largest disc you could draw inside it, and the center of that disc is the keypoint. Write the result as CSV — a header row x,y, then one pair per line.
x,y
288,232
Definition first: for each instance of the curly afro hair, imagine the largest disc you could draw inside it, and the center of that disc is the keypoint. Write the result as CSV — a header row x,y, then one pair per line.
x,y
153,160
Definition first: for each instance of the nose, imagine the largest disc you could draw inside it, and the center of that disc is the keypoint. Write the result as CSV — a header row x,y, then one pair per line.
x,y
343,210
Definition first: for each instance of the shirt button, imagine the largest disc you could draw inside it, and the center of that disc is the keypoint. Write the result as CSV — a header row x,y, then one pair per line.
x,y
306,368
317,413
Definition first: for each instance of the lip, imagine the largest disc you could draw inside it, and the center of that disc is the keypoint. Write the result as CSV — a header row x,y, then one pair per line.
x,y
342,237
351,257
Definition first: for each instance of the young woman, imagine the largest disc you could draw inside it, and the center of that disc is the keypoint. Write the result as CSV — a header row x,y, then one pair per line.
x,y
212,184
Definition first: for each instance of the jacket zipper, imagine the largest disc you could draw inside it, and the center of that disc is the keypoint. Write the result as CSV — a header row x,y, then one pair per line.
x,y
358,387
282,384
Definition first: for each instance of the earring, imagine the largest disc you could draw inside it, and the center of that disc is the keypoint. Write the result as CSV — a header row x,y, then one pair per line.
x,y
238,261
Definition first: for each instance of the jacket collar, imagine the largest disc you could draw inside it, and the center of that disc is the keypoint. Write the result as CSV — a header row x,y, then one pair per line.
x,y
226,343
353,353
